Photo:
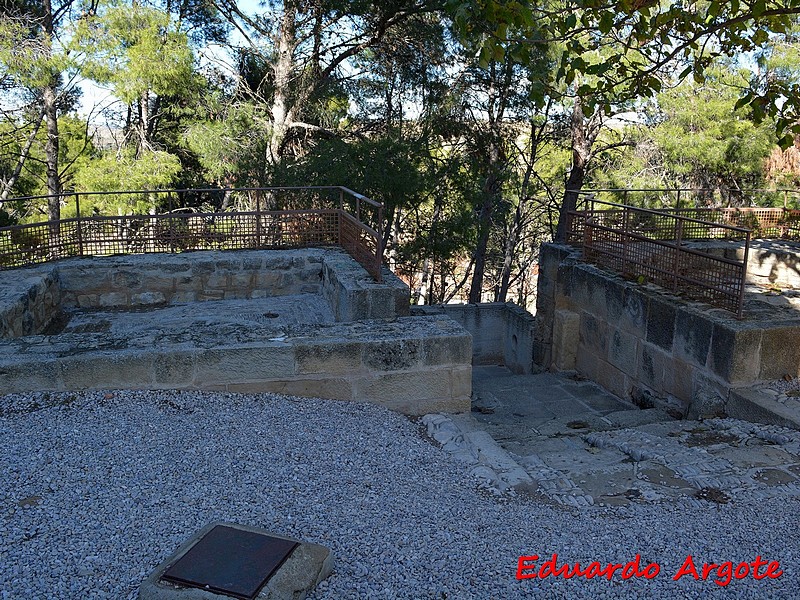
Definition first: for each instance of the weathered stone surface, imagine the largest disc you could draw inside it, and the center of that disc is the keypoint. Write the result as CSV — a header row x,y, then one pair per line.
x,y
758,406
333,357
709,397
238,365
736,353
623,351
566,335
692,337
661,323
594,334
780,352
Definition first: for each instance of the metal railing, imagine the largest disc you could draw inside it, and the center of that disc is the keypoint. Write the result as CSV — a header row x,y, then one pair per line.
x,y
649,246
263,218
676,198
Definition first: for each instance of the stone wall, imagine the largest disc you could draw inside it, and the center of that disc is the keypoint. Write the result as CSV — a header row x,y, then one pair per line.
x,y
502,333
415,365
146,279
642,343
29,300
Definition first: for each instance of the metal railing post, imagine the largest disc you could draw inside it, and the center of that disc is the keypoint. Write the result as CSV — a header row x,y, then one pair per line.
x,y
258,220
379,245
78,224
743,278
676,260
625,232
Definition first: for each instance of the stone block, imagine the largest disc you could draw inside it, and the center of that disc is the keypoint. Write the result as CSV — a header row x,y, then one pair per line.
x,y
122,369
217,281
393,355
148,299
442,350
333,358
613,379
112,299
461,382
176,368
661,323
239,365
652,366
756,406
184,297
623,351
587,363
411,393
709,397
679,381
206,295
692,339
780,353
633,317
614,298
736,354
329,388
566,336
241,281
30,376
126,279
594,334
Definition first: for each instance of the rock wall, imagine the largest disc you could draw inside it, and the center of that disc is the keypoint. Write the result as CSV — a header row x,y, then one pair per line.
x,y
29,300
642,343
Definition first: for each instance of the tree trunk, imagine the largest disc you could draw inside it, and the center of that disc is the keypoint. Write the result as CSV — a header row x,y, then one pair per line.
x,y
511,244
50,110
583,138
23,156
51,153
281,113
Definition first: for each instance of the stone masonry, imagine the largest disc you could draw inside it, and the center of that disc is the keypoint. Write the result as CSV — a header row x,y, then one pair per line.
x,y
366,349
642,343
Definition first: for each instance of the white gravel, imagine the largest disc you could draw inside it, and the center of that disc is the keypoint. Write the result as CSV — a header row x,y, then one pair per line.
x,y
124,480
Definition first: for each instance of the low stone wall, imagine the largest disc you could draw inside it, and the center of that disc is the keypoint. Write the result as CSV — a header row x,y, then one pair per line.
x,y
30,298
146,279
352,296
502,333
29,301
639,342
415,365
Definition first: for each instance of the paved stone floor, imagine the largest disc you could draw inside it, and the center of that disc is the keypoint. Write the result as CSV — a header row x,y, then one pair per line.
x,y
569,439
275,313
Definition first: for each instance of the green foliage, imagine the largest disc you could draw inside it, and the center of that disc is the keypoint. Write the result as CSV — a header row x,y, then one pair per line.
x,y
111,172
136,49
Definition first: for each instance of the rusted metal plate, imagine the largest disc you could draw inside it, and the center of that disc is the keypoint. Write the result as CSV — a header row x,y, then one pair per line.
x,y
230,561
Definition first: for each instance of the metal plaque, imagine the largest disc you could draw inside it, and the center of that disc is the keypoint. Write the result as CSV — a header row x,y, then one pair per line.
x,y
230,561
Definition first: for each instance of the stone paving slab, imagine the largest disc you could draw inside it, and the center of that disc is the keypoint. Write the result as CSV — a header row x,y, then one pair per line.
x,y
600,450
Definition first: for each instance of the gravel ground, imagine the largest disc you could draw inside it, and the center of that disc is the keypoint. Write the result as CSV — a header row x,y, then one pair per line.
x,y
112,484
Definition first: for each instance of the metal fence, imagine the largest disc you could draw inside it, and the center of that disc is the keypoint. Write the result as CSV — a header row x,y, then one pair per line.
x,y
649,246
254,218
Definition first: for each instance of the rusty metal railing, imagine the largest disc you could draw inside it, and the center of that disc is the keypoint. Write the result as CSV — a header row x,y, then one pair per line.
x,y
650,246
264,218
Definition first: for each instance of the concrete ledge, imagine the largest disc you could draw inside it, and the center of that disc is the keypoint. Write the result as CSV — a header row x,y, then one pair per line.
x,y
306,567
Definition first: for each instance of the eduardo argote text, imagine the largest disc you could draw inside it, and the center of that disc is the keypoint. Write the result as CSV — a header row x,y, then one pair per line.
x,y
529,567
